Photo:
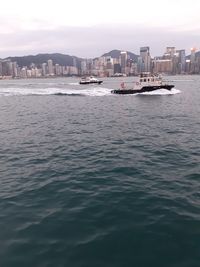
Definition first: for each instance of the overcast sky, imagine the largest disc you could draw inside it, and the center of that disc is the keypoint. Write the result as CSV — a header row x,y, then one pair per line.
x,y
89,28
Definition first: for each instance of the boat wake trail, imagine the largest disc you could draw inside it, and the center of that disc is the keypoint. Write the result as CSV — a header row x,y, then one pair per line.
x,y
90,91
173,91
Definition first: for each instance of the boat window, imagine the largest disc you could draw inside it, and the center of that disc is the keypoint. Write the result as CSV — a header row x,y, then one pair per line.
x,y
145,80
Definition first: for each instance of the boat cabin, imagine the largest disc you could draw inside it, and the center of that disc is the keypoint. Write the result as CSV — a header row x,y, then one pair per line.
x,y
147,77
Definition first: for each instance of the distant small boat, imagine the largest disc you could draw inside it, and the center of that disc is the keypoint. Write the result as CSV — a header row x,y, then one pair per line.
x,y
90,80
117,74
147,82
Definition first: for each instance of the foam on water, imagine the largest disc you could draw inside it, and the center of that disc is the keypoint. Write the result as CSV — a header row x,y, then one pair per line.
x,y
162,92
74,83
180,80
92,91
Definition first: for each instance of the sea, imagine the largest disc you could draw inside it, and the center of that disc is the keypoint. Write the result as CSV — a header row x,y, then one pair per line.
x,y
93,179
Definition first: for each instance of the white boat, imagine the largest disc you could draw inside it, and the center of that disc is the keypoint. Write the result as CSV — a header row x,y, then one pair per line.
x,y
147,82
90,80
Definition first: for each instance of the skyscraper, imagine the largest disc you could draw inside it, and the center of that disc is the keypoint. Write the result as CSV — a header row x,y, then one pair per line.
x,y
44,69
145,59
50,67
123,60
170,51
181,60
192,60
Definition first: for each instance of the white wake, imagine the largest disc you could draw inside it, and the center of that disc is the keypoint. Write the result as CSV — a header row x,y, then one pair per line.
x,y
173,91
89,91
92,91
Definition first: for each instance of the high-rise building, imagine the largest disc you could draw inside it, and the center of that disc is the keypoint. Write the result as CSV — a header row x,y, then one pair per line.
x,y
83,67
50,67
15,69
181,60
117,68
170,51
163,66
1,69
192,60
123,61
57,70
145,59
44,69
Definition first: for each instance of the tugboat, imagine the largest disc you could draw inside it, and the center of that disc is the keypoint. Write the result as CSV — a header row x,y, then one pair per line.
x,y
89,80
147,82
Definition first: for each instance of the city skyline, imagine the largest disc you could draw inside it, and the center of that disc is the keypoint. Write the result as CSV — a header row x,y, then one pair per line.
x,y
173,61
89,28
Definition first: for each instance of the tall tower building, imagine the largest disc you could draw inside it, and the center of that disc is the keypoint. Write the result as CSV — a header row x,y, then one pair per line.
x,y
15,69
50,67
123,60
192,60
181,60
145,59
170,51
44,69
57,70
1,69
171,54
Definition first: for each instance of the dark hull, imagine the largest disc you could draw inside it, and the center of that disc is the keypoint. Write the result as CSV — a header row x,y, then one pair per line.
x,y
92,82
142,90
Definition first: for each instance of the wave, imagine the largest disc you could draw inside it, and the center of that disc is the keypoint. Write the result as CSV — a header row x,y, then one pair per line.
x,y
74,83
92,91
180,80
173,91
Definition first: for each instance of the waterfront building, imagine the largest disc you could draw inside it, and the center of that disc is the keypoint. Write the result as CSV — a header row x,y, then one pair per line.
x,y
145,59
1,70
26,73
133,69
73,70
197,63
170,51
57,70
32,72
44,69
117,68
181,61
83,67
6,68
172,62
123,61
15,69
192,60
50,67
109,67
187,66
140,64
163,66
23,72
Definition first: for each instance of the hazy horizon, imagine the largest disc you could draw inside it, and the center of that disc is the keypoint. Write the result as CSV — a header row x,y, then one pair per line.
x,y
74,29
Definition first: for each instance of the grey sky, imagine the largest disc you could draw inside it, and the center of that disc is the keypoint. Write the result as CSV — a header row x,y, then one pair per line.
x,y
90,28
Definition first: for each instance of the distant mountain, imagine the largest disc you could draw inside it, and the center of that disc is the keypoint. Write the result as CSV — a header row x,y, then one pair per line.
x,y
61,59
116,54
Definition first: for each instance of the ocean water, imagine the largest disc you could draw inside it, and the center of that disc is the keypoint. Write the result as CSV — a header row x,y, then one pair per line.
x,y
91,179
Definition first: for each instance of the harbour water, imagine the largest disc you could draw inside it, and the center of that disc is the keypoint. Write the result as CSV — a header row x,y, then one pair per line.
x,y
92,179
